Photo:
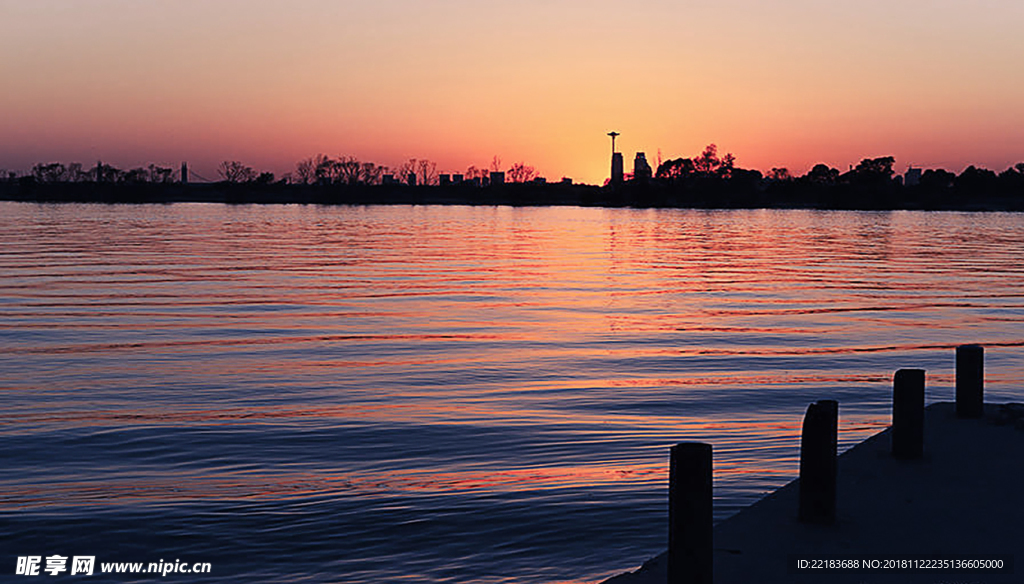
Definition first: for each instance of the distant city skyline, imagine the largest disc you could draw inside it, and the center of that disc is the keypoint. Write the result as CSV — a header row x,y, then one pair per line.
x,y
269,83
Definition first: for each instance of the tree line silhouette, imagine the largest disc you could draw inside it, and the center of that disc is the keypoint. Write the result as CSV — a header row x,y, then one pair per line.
x,y
315,170
707,180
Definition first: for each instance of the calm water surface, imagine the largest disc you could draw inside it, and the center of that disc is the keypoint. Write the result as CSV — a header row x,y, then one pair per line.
x,y
451,394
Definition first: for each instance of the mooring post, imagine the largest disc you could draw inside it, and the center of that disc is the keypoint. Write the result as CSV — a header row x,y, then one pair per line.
x,y
970,381
818,445
689,514
908,414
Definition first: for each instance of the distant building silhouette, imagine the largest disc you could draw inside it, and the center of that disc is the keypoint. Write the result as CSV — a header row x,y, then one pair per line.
x,y
388,179
497,178
641,170
184,173
912,177
457,178
566,181
444,179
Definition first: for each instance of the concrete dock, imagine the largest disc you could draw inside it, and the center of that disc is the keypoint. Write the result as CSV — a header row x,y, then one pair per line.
x,y
964,496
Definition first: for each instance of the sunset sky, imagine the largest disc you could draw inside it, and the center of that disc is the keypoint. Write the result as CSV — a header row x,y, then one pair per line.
x,y
935,83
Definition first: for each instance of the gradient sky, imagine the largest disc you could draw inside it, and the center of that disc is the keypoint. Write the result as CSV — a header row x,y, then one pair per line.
x,y
935,83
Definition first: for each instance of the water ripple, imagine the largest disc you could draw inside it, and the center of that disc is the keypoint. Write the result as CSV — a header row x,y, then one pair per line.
x,y
456,394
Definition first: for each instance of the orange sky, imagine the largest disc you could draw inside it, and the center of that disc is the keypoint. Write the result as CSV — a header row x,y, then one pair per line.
x,y
788,83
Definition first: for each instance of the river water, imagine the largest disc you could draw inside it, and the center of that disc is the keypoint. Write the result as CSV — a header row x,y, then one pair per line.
x,y
451,394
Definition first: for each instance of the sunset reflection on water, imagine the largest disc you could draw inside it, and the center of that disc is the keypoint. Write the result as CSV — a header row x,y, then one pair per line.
x,y
496,385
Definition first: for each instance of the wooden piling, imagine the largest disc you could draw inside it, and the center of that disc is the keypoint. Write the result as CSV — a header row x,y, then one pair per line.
x,y
970,381
908,414
690,514
818,446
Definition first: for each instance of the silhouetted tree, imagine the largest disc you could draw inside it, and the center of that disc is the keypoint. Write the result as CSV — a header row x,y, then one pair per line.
x,y
135,176
349,170
708,161
76,173
937,179
54,172
305,170
779,174
1011,180
726,166
106,173
405,169
495,164
265,178
822,175
746,184
370,173
520,173
1009,172
236,172
975,181
426,172
675,170
160,174
326,171
873,170
708,164
473,172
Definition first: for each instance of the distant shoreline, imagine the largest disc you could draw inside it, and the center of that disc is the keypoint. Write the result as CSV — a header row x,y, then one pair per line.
x,y
651,195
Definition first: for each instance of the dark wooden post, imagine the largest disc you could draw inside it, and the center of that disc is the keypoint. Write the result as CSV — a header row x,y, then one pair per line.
x,y
818,445
908,413
689,514
970,381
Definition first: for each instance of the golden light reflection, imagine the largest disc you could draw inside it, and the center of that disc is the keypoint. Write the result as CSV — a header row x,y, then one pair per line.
x,y
594,339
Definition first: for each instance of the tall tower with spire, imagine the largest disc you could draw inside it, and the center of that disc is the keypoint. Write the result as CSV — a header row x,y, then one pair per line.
x,y
616,162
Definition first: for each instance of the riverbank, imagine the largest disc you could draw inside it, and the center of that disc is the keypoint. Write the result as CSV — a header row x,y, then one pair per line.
x,y
962,497
649,195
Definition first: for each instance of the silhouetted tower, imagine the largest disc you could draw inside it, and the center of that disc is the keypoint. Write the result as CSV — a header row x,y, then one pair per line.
x,y
912,177
617,168
184,173
641,170
616,162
